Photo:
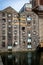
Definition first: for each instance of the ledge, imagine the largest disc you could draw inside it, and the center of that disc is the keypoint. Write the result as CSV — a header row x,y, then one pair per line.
x,y
19,50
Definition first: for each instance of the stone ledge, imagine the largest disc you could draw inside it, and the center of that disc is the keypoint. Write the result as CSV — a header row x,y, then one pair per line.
x,y
17,50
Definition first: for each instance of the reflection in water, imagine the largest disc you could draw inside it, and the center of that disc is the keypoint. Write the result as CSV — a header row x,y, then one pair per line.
x,y
26,58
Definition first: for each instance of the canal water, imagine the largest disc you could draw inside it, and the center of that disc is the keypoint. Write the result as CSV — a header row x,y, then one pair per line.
x,y
22,58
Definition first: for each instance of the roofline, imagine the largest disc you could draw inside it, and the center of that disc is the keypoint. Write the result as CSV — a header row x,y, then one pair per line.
x,y
8,7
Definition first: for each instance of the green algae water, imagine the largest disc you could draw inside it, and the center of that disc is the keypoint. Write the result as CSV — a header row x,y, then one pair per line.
x,y
23,58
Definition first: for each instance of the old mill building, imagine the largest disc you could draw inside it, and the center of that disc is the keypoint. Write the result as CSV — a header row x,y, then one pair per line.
x,y
23,30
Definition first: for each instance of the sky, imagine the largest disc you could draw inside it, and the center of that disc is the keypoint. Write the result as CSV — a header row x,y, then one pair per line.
x,y
16,4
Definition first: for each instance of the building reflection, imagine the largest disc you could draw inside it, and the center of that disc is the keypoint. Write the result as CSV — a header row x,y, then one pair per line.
x,y
26,58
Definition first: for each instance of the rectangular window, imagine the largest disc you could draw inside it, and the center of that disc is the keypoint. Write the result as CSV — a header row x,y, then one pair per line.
x,y
3,31
29,45
3,44
15,26
9,15
29,40
3,14
29,18
9,42
23,28
3,37
29,22
9,32
34,32
9,29
24,16
3,25
29,35
9,37
15,43
15,37
15,20
15,31
15,15
4,20
9,47
9,26
9,20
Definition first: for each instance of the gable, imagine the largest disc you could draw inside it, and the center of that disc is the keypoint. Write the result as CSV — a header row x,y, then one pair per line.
x,y
10,9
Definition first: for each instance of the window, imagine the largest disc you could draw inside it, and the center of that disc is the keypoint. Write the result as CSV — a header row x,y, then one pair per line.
x,y
15,15
34,41
29,39
23,32
29,18
3,44
29,22
15,31
3,37
15,37
3,25
9,23
9,37
24,42
23,16
29,35
15,26
3,14
9,47
29,45
9,42
9,26
34,32
9,15
9,29
23,28
3,31
15,20
4,20
9,32
9,20
15,43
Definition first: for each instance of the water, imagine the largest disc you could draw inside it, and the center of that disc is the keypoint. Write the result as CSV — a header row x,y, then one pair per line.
x,y
24,58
